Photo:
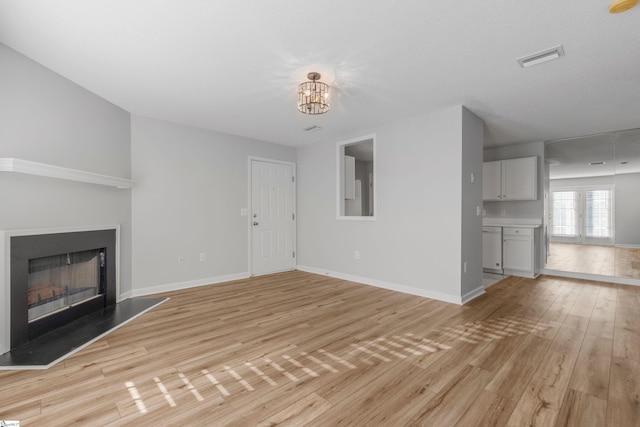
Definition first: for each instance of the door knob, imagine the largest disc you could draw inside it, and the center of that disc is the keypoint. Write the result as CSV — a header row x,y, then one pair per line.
x,y
255,223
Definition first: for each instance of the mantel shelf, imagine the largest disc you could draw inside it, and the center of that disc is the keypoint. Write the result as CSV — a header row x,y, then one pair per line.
x,y
8,164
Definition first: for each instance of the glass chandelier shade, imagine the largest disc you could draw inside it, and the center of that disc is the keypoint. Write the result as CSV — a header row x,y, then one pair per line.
x,y
313,95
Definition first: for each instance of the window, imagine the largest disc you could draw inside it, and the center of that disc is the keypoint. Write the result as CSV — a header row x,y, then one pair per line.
x,y
598,213
565,212
582,215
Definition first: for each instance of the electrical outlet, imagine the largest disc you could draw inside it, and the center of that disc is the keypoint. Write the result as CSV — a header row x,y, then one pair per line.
x,y
180,259
356,254
478,210
203,256
503,212
464,266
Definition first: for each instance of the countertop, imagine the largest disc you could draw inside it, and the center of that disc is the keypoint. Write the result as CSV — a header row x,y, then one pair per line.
x,y
512,222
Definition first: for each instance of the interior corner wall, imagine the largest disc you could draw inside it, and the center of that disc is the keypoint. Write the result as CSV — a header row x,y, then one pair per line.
x,y
414,245
190,187
472,147
48,119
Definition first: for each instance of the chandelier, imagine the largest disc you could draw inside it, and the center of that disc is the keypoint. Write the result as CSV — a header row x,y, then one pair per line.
x,y
313,95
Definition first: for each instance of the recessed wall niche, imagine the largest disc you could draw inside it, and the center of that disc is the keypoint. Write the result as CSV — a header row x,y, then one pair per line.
x,y
356,189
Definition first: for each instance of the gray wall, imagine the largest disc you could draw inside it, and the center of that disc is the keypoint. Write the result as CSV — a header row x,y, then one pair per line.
x,y
190,186
415,242
627,210
48,119
192,183
579,182
472,144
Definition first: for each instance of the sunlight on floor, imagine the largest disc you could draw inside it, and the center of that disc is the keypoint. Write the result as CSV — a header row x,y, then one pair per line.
x,y
135,395
363,353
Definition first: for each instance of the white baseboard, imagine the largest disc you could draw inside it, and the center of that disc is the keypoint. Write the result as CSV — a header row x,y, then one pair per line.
x,y
472,294
621,245
186,285
453,299
125,295
518,273
596,277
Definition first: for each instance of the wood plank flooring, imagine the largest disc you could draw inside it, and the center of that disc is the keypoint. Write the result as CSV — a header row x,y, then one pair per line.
x,y
303,349
594,259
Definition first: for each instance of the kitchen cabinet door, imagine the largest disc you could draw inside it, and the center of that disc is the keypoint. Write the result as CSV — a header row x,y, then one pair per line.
x,y
492,248
492,180
518,253
519,179
511,179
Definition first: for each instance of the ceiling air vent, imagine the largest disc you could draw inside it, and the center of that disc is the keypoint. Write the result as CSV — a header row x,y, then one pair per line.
x,y
540,57
313,128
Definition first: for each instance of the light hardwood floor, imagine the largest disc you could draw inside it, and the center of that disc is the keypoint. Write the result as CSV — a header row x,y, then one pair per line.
x,y
594,259
303,349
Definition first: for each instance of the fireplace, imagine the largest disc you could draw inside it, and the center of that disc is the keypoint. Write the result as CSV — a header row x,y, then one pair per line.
x,y
58,278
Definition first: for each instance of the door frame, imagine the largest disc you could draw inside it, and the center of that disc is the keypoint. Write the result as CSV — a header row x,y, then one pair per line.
x,y
294,225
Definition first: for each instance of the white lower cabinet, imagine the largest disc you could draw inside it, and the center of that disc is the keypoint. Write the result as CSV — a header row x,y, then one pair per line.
x,y
492,249
518,251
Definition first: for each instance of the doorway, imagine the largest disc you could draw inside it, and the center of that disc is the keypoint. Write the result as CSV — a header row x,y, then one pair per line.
x,y
272,216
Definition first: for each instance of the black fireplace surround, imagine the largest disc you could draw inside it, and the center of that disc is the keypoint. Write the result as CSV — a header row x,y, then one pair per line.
x,y
26,248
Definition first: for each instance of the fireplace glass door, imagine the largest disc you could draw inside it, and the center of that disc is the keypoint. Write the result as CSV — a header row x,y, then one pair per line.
x,y
58,282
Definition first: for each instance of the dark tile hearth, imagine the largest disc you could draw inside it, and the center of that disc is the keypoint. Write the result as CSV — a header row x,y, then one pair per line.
x,y
53,346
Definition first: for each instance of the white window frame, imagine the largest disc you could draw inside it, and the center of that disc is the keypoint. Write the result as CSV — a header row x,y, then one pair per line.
x,y
576,215
582,237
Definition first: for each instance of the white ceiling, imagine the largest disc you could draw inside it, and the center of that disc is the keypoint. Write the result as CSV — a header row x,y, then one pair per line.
x,y
233,66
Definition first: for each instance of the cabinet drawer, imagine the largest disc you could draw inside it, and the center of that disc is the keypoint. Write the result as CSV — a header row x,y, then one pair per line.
x,y
517,231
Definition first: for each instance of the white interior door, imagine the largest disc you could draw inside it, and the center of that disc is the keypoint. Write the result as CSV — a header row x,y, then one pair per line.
x,y
272,217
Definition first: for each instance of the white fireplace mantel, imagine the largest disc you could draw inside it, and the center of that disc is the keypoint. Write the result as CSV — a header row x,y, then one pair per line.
x,y
8,164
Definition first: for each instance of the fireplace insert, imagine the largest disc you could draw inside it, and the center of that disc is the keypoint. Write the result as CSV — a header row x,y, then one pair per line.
x,y
58,278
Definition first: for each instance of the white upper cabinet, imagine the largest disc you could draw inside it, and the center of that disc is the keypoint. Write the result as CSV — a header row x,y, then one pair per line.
x,y
512,179
520,178
492,180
